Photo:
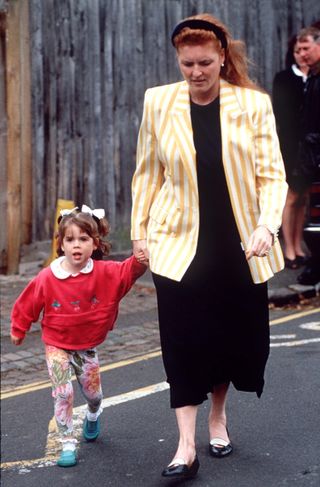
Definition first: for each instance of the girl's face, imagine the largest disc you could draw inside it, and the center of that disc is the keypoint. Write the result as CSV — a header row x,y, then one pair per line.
x,y
77,246
200,66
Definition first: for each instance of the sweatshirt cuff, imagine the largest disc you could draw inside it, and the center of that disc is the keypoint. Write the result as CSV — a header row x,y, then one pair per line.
x,y
17,332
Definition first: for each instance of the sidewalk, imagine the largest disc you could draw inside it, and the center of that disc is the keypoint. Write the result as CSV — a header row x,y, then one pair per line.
x,y
284,289
135,333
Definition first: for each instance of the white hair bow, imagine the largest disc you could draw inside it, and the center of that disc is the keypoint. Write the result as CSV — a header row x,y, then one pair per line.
x,y
66,212
98,212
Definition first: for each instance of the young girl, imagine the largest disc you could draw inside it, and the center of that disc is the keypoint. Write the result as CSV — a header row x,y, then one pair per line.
x,y
80,300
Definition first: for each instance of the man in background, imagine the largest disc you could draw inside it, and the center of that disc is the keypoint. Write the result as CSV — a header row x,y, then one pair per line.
x,y
309,48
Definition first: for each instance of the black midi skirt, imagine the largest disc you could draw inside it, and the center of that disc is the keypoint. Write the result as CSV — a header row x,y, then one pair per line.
x,y
213,330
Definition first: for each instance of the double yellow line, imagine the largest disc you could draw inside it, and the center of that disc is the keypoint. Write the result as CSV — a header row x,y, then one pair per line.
x,y
37,386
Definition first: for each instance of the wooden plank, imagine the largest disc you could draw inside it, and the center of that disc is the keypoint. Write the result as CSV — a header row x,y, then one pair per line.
x,y
14,134
3,149
25,107
108,116
40,229
50,48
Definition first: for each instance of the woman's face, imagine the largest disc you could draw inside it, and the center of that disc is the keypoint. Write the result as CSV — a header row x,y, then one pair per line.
x,y
200,66
298,57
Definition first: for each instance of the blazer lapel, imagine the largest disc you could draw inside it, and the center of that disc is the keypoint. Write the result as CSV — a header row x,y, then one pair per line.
x,y
230,113
183,134
182,127
229,102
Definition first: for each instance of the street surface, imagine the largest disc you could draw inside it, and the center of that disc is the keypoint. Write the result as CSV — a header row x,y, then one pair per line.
x,y
276,438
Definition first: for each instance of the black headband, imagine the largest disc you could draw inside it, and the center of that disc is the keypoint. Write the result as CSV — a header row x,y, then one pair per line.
x,y
200,24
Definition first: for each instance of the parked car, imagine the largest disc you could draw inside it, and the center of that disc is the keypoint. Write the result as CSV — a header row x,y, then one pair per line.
x,y
311,233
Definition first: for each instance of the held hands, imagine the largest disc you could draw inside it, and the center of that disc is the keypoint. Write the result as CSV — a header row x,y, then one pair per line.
x,y
260,243
16,340
140,251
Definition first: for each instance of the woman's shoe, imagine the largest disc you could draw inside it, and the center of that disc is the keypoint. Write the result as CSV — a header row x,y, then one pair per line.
x,y
220,448
291,263
67,458
179,469
302,260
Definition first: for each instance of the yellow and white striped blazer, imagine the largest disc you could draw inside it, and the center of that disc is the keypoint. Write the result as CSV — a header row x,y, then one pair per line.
x,y
165,207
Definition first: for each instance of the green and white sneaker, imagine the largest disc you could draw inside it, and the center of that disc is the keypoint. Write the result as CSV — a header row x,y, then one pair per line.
x,y
91,429
67,458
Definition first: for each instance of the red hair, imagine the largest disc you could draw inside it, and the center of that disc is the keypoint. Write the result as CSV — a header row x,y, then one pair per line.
x,y
235,69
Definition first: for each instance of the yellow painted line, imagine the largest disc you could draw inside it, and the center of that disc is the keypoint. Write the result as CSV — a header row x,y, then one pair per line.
x,y
295,316
25,464
139,358
37,386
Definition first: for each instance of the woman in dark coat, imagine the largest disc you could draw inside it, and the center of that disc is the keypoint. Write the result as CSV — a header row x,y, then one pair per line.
x,y
288,89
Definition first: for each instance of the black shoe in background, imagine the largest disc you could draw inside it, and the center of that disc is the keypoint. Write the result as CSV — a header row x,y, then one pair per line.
x,y
310,276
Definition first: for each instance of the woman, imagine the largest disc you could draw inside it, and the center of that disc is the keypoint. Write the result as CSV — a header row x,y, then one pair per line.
x,y
288,87
208,194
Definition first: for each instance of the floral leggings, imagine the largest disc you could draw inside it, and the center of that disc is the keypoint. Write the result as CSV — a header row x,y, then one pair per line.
x,y
61,365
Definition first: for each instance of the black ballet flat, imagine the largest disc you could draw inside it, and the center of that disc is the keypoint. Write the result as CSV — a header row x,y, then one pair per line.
x,y
220,448
302,260
180,470
291,263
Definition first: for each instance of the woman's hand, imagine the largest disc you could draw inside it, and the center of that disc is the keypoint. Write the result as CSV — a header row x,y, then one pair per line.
x,y
140,251
16,340
259,243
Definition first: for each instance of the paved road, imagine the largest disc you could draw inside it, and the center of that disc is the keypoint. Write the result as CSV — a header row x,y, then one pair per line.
x,y
276,438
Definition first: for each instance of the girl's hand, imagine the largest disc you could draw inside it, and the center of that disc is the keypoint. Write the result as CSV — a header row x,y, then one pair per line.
x,y
259,243
140,251
16,340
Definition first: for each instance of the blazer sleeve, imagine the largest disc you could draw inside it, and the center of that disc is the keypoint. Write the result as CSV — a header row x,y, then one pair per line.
x,y
148,176
271,183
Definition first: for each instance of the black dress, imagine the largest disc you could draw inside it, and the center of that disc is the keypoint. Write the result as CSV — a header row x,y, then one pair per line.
x,y
214,324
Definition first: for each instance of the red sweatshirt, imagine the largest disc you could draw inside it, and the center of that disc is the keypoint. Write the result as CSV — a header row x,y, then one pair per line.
x,y
78,311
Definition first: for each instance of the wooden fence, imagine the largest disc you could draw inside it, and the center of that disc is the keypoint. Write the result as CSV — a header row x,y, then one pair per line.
x,y
91,61
3,146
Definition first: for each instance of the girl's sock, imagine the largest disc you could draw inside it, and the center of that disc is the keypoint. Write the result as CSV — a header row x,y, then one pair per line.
x,y
69,444
94,416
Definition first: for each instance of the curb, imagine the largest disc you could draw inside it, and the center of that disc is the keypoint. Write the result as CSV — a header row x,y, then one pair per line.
x,y
292,294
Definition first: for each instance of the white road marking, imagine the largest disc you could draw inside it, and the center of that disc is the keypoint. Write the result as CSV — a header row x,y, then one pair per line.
x,y
295,343
282,337
312,325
